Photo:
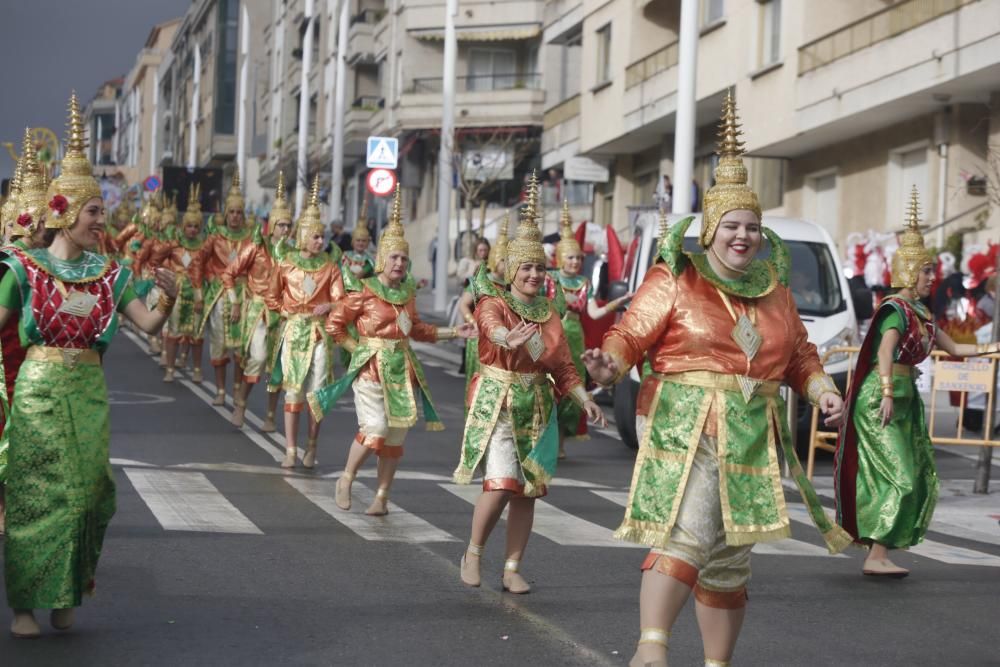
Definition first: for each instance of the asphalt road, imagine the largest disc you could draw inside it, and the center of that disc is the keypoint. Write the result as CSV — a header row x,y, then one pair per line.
x,y
217,557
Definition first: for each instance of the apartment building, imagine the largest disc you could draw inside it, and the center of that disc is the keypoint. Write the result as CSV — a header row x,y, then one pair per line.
x,y
199,93
99,117
393,86
845,105
135,112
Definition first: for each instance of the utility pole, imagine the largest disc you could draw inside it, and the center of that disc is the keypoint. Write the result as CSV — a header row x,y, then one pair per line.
x,y
302,163
241,123
340,104
687,72
445,158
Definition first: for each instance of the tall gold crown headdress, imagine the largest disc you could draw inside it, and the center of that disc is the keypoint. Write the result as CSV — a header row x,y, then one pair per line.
x,y
568,245
393,239
527,243
730,192
32,195
664,225
193,212
151,209
280,210
498,251
234,199
75,185
125,209
361,225
309,223
912,255
169,214
11,204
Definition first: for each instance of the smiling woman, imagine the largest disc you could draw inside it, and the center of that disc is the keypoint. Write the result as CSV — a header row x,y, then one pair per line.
x,y
60,493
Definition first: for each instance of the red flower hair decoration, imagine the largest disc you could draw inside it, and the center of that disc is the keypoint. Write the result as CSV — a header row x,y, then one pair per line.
x,y
59,204
24,220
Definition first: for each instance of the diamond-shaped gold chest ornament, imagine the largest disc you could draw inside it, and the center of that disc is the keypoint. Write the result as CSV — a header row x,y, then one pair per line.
x,y
186,259
309,285
404,322
749,340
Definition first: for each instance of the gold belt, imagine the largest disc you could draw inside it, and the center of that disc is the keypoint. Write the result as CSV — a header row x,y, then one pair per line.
x,y
905,370
69,357
723,381
512,377
384,343
572,315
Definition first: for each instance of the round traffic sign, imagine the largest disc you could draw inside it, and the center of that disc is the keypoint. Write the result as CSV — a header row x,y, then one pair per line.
x,y
151,183
381,182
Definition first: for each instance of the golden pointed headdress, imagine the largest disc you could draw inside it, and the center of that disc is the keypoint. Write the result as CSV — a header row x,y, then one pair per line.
x,y
664,228
234,200
568,245
169,214
730,192
75,185
912,255
280,210
393,239
151,209
193,212
361,226
498,251
12,203
527,243
309,223
32,192
125,210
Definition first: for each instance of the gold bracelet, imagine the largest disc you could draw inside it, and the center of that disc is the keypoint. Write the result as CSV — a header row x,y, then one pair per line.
x,y
469,319
165,304
886,392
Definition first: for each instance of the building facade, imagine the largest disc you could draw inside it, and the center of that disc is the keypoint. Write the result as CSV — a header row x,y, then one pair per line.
x,y
845,105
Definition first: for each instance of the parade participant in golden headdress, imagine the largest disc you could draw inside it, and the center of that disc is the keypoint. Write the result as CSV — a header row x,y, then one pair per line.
x,y
886,480
60,490
511,431
487,281
26,212
387,378
356,264
184,258
223,247
722,333
159,240
576,300
117,223
304,286
259,324
10,203
129,240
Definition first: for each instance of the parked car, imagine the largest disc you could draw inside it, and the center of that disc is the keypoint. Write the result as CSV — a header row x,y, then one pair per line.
x,y
829,309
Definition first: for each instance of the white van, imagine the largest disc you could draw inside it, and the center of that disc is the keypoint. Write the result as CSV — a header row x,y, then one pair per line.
x,y
827,306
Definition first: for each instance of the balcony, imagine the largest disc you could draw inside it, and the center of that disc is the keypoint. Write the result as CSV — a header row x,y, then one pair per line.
x,y
888,67
561,132
360,36
653,64
495,99
872,29
358,123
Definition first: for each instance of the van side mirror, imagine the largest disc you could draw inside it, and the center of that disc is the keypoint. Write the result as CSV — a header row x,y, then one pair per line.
x,y
861,298
617,289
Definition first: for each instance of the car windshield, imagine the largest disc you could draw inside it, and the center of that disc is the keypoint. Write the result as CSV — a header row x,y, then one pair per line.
x,y
814,279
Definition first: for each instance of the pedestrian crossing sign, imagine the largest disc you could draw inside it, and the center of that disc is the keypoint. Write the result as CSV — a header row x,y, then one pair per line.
x,y
382,152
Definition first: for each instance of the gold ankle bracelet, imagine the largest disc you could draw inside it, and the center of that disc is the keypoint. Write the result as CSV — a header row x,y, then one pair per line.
x,y
475,549
654,636
511,565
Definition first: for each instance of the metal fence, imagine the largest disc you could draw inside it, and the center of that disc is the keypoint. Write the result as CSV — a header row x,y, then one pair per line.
x,y
484,82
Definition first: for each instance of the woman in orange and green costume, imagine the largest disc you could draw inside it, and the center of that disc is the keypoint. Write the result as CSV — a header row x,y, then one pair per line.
x,y
886,480
722,333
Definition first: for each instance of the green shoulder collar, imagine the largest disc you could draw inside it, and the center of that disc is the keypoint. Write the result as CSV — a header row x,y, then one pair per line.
x,y
397,296
87,268
190,244
308,264
539,310
228,234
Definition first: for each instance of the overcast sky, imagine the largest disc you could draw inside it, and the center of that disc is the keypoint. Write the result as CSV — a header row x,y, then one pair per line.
x,y
50,47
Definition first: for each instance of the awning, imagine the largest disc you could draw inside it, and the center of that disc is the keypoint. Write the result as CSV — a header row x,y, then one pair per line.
x,y
485,33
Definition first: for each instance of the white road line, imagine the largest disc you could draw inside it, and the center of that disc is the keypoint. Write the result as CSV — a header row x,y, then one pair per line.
x,y
553,523
398,526
130,463
188,501
413,475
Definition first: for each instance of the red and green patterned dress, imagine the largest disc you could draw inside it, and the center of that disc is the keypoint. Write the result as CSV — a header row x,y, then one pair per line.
x,y
60,488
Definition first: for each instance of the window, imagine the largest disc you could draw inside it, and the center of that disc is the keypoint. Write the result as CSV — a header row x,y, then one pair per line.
x,y
604,54
712,11
225,73
491,69
769,34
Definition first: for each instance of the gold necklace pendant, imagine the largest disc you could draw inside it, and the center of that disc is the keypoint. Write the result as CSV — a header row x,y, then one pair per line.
x,y
747,337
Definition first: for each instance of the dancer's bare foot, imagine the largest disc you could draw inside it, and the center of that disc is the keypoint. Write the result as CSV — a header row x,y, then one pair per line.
x,y
24,625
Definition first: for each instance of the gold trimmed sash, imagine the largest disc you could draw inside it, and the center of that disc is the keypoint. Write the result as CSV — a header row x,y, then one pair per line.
x,y
721,381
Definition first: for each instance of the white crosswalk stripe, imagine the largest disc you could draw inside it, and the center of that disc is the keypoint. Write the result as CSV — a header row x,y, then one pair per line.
x,y
188,501
398,526
553,523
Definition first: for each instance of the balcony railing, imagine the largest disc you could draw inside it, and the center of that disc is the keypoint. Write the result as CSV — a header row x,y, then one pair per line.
x,y
485,82
368,102
372,16
561,112
654,63
872,29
